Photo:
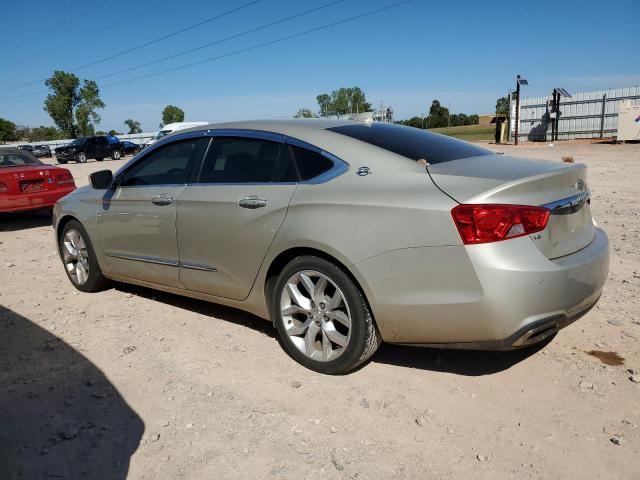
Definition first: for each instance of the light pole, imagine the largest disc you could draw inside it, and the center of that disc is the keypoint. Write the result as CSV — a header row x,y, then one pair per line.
x,y
519,81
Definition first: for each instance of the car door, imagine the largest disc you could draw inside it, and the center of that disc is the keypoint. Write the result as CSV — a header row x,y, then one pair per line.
x,y
102,148
229,216
90,146
137,218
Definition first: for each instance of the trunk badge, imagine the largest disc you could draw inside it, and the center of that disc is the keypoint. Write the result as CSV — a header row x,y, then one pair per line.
x,y
580,184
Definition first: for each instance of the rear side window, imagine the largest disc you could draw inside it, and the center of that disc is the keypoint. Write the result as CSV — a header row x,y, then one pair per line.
x,y
310,164
16,160
412,143
168,165
246,160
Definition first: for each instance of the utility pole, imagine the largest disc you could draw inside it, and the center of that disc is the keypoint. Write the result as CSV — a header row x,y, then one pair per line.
x,y
519,81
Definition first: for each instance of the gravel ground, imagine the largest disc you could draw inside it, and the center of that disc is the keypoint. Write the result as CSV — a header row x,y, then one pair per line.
x,y
146,385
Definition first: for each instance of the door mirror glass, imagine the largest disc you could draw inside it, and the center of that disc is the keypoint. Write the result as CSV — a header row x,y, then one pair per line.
x,y
101,180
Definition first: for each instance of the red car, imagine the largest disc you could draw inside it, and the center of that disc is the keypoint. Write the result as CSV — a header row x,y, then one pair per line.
x,y
28,184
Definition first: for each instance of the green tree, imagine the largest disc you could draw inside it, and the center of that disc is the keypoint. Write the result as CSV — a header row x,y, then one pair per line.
x,y
7,131
305,113
134,126
72,106
415,122
343,101
502,106
438,115
41,133
172,114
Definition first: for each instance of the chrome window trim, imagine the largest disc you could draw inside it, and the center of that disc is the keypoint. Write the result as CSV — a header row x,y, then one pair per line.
x,y
339,165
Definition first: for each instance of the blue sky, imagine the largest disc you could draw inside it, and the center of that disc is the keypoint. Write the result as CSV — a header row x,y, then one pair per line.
x,y
464,53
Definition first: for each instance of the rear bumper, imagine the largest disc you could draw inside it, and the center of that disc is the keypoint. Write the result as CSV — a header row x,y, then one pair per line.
x,y
493,296
32,201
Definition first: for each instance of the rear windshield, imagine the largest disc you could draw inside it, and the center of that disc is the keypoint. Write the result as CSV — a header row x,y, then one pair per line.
x,y
17,159
412,143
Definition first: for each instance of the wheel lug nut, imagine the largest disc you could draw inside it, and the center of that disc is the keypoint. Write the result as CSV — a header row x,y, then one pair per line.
x,y
310,315
322,305
325,317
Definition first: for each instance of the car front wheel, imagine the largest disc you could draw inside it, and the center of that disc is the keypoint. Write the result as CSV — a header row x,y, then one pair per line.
x,y
82,157
79,258
322,318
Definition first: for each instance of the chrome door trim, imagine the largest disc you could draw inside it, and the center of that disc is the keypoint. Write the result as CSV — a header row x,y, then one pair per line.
x,y
195,266
142,258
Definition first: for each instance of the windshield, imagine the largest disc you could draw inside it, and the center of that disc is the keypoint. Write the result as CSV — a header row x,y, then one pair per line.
x,y
77,141
413,143
163,133
17,160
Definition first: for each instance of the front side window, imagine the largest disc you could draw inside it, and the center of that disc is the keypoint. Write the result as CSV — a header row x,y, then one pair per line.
x,y
168,165
77,142
246,160
101,141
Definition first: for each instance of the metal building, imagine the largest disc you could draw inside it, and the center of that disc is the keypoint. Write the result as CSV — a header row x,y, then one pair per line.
x,y
583,115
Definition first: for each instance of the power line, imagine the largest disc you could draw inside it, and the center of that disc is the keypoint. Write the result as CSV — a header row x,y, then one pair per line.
x,y
260,45
146,44
217,42
191,50
243,50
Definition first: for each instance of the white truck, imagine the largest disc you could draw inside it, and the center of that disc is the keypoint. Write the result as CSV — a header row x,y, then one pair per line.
x,y
171,128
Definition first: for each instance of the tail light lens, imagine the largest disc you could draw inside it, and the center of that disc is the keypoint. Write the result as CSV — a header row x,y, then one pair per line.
x,y
65,179
492,223
3,187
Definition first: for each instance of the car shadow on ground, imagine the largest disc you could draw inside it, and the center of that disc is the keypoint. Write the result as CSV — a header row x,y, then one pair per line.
x,y
214,310
59,415
459,362
13,222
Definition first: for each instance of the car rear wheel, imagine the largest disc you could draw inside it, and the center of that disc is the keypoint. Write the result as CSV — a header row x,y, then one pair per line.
x,y
322,318
116,155
82,157
79,258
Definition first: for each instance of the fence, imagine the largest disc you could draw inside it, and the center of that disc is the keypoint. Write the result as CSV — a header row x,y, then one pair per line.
x,y
583,115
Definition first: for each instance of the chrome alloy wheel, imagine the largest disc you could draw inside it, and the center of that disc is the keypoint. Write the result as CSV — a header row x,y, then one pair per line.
x,y
75,256
316,315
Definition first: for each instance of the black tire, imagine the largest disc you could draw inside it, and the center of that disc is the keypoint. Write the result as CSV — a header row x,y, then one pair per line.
x,y
116,155
364,337
62,162
95,281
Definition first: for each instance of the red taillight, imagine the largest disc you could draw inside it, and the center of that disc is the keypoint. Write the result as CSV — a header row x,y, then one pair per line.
x,y
3,187
64,178
492,223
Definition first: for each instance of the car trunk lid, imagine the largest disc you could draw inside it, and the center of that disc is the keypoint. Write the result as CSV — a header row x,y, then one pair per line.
x,y
31,178
500,179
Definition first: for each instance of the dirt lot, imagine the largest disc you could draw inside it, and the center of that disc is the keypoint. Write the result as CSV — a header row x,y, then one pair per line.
x,y
150,385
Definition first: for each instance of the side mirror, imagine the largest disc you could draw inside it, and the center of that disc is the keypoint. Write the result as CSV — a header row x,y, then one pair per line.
x,y
101,180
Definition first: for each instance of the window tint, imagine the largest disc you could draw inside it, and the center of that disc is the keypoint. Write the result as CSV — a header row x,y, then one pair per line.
x,y
246,160
168,165
310,164
101,141
412,143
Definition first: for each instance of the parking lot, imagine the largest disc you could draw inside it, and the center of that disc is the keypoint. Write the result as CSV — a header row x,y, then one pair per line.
x,y
131,379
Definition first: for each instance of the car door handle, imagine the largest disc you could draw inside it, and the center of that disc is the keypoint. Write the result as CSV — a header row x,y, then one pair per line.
x,y
162,200
252,202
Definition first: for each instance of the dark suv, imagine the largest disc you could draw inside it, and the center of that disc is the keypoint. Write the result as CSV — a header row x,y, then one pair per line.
x,y
82,149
